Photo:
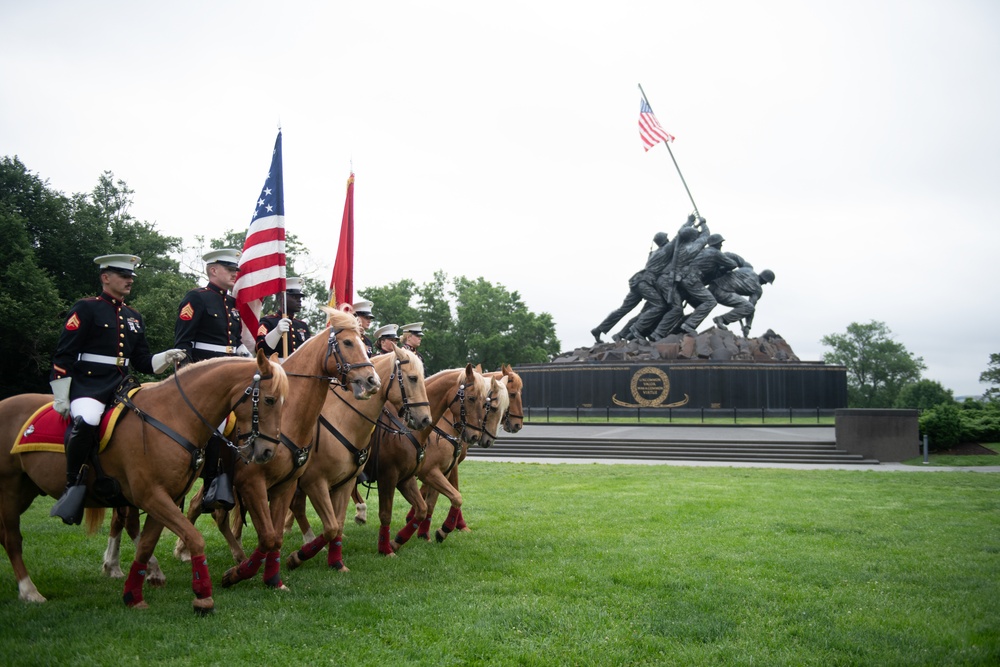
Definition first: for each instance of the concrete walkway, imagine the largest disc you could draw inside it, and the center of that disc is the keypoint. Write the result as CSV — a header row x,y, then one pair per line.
x,y
707,433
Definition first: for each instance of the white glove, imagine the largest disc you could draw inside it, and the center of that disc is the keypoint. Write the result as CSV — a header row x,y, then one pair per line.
x,y
60,392
163,360
273,336
242,351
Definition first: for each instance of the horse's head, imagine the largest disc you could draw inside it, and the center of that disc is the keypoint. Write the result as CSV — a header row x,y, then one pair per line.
x,y
259,410
472,403
406,390
347,357
498,401
513,420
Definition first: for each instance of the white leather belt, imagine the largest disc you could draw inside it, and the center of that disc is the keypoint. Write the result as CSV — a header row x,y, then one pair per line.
x,y
210,347
102,359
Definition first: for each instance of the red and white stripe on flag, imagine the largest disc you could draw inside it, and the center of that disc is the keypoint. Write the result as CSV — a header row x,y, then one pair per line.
x,y
262,272
650,130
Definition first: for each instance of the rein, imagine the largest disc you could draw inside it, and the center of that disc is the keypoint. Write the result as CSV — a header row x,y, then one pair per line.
x,y
404,414
343,368
253,393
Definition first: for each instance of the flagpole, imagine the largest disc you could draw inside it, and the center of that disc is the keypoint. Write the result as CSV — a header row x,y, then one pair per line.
x,y
667,144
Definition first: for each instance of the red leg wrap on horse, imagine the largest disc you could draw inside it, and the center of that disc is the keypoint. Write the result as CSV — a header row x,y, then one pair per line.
x,y
335,555
309,550
449,523
406,532
383,540
460,524
248,568
409,515
425,528
201,583
133,584
272,570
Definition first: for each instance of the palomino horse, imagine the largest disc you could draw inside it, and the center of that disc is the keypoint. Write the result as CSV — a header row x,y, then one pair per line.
x,y
448,453
443,451
470,398
154,453
334,360
396,456
342,442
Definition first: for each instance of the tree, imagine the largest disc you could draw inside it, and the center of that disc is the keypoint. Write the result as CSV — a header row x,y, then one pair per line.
x,y
992,375
490,325
877,366
47,263
923,395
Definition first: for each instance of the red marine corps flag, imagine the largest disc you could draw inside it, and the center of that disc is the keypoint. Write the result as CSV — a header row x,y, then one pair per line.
x,y
342,282
262,266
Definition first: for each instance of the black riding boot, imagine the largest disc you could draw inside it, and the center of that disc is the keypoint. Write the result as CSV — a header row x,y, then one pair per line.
x,y
218,483
81,441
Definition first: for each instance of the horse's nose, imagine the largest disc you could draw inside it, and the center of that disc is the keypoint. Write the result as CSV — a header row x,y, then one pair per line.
x,y
264,456
420,424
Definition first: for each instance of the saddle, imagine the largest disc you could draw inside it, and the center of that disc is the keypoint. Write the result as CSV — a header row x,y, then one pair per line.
x,y
46,431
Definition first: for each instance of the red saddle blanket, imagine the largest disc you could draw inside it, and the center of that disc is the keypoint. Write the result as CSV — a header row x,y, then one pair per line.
x,y
45,430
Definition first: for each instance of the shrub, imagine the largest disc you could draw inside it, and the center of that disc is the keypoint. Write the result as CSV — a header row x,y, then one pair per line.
x,y
942,425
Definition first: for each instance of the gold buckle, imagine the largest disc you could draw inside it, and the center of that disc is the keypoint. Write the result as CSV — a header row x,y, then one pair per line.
x,y
230,349
119,361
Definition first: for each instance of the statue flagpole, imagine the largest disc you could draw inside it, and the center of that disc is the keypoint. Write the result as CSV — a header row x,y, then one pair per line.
x,y
667,144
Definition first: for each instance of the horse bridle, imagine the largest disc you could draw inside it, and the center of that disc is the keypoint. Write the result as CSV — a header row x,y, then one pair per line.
x,y
460,397
508,414
343,368
252,392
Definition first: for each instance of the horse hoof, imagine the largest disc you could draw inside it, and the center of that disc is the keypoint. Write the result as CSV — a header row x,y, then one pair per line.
x,y
114,572
141,604
360,520
339,567
391,554
439,535
204,606
465,529
293,561
230,578
157,581
424,536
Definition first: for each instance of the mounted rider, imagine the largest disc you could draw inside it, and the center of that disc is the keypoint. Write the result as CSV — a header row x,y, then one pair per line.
x,y
363,311
208,326
102,341
272,327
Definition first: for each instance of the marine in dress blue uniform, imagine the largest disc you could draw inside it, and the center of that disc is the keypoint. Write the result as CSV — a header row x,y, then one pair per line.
x,y
411,335
208,322
363,311
102,341
272,327
208,325
385,339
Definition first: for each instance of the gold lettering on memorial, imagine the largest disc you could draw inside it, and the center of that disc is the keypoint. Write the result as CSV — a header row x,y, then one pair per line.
x,y
650,388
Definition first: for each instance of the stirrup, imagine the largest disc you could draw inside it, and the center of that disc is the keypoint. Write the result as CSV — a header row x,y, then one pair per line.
x,y
69,507
219,494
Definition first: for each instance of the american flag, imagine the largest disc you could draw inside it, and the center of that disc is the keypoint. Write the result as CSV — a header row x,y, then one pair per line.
x,y
649,128
262,266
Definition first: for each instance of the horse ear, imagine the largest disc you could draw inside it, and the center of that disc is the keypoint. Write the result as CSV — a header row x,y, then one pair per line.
x,y
274,358
479,368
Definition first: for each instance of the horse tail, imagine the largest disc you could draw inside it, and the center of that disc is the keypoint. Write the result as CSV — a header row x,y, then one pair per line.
x,y
94,517
236,517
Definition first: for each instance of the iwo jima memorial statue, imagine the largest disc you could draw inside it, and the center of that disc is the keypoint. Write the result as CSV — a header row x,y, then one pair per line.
x,y
658,359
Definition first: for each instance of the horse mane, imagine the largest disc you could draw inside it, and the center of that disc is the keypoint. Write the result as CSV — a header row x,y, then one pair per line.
x,y
503,400
411,357
278,375
338,319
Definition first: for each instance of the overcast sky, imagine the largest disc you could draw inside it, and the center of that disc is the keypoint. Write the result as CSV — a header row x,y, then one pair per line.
x,y
851,147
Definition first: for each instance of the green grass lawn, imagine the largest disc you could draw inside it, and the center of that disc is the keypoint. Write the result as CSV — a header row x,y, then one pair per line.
x,y
573,564
964,460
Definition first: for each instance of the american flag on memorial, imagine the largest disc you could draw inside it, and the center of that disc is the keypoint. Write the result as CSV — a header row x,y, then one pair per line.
x,y
649,128
262,266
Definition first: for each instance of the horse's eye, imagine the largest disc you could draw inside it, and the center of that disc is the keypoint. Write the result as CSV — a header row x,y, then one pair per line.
x,y
348,343
413,379
270,400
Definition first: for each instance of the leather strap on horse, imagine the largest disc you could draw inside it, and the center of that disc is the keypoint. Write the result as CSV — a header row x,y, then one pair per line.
x,y
299,456
456,443
360,455
197,454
